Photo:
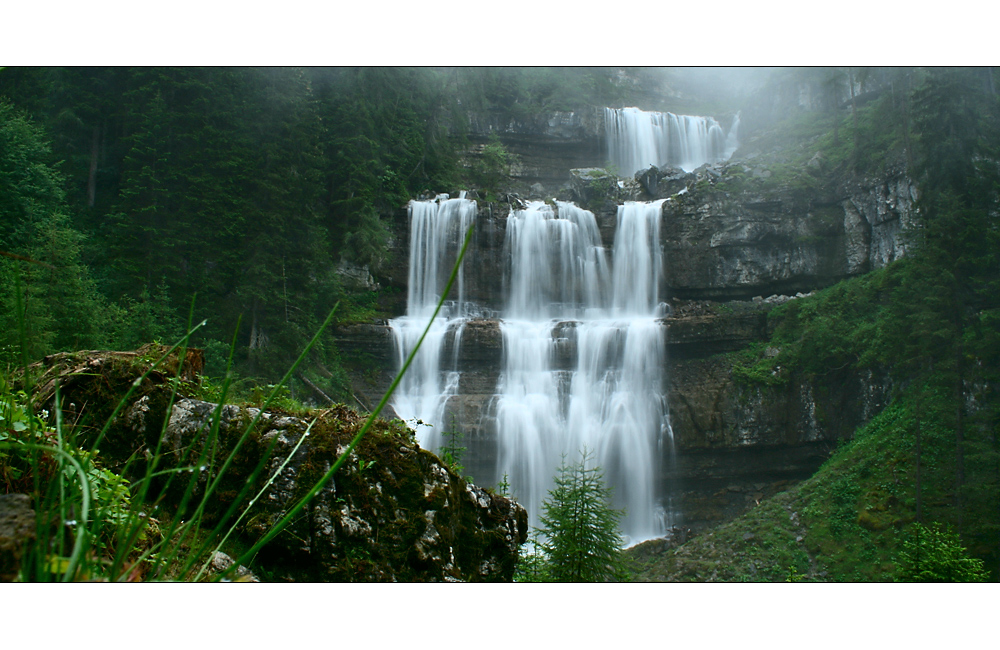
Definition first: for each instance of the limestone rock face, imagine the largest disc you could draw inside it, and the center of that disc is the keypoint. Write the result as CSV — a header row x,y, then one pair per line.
x,y
355,277
882,209
735,440
546,145
726,245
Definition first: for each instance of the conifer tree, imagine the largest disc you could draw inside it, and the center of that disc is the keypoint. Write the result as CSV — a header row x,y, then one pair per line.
x,y
580,526
59,304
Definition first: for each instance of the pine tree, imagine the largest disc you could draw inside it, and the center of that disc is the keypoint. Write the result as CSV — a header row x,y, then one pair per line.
x,y
953,284
583,539
59,303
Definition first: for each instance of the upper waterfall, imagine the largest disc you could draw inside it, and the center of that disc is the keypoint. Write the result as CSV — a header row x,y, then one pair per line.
x,y
637,139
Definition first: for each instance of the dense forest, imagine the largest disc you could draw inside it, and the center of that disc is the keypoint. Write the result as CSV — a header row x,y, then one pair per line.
x,y
135,203
147,195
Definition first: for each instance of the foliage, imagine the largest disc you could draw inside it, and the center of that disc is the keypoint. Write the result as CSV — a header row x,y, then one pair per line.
x,y
91,502
935,554
184,182
582,539
20,427
450,452
492,167
532,563
383,142
59,305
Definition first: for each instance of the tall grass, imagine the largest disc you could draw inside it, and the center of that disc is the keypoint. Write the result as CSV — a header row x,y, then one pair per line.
x,y
93,524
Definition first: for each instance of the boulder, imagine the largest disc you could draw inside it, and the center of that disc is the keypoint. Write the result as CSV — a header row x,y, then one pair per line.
x,y
392,512
17,529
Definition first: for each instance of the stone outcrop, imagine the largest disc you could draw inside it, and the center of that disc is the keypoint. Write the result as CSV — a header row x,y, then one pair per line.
x,y
733,240
17,529
392,512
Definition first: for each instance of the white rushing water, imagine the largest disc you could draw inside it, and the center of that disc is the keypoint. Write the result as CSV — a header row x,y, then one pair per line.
x,y
583,349
637,139
584,357
437,230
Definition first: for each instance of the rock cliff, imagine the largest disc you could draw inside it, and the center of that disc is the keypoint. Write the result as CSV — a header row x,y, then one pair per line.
x,y
737,237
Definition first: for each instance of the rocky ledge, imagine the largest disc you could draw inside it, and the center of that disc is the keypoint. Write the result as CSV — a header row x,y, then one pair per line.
x,y
392,512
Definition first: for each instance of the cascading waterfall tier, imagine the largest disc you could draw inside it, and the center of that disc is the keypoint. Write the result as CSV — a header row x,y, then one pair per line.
x,y
637,139
437,230
583,349
609,395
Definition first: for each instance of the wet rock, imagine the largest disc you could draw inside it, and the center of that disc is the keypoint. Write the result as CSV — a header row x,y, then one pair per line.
x,y
221,562
17,528
648,179
355,277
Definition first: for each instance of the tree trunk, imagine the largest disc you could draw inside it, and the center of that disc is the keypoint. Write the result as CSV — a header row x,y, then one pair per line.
x,y
920,514
854,114
906,122
959,433
95,148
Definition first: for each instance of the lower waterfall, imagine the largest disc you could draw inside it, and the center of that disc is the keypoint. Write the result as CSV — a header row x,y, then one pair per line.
x,y
583,353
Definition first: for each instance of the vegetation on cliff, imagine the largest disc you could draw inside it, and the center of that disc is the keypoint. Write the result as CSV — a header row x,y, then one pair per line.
x,y
920,483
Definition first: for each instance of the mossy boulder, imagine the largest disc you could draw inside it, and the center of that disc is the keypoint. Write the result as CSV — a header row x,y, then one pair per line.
x,y
392,512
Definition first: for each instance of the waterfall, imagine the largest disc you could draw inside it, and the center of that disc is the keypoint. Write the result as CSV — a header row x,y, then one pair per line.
x,y
583,349
637,139
437,230
607,395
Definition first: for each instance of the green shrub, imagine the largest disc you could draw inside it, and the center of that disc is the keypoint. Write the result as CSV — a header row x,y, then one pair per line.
x,y
935,554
